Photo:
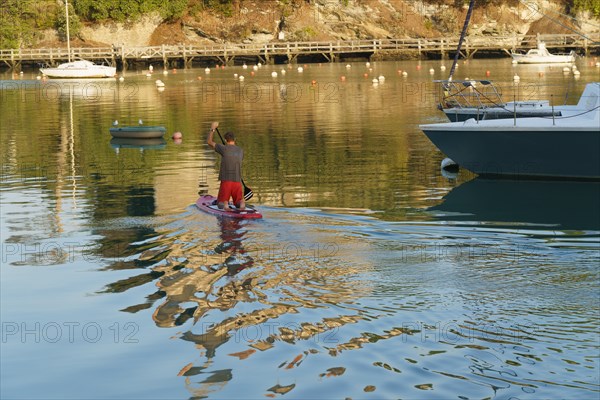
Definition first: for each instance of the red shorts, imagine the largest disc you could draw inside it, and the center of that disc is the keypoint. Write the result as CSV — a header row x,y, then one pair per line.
x,y
230,189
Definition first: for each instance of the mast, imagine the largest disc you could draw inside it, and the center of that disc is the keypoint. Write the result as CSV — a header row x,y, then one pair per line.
x,y
462,37
68,36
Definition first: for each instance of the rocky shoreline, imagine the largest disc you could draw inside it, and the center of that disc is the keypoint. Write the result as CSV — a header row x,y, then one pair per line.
x,y
326,20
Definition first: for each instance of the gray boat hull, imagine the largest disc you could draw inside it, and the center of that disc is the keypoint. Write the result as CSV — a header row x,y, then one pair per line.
x,y
138,132
543,153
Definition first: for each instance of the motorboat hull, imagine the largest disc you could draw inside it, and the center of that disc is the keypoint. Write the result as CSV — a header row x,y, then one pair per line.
x,y
549,59
521,151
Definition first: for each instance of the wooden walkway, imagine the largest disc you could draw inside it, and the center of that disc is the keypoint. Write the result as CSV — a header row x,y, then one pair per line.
x,y
290,51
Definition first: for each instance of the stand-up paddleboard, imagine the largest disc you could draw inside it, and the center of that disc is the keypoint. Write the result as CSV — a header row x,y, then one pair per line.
x,y
208,204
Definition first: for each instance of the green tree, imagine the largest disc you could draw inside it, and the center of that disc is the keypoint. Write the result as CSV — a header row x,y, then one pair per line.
x,y
21,20
74,24
123,10
592,6
175,9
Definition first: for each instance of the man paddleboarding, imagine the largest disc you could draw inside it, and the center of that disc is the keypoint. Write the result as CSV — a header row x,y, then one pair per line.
x,y
230,173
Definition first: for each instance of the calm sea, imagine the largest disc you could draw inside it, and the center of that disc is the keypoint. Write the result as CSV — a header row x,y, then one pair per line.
x,y
372,275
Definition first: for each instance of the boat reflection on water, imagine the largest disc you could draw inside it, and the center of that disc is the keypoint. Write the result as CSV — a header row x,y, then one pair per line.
x,y
142,144
563,205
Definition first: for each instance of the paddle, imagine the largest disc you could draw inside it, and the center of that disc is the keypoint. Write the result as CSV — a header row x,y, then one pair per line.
x,y
248,193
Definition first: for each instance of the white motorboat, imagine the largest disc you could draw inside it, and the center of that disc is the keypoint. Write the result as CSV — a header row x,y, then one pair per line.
x,y
79,69
545,147
541,55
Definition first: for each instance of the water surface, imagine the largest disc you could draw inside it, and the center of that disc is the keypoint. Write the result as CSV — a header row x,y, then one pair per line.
x,y
372,275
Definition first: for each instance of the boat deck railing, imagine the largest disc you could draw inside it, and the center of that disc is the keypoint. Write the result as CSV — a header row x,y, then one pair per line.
x,y
469,94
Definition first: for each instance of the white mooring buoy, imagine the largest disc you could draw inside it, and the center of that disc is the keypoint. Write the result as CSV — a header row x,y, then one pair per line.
x,y
449,165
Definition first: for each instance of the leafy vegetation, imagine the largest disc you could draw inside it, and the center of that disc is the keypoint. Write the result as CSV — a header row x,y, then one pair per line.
x,y
22,20
122,10
305,34
223,7
74,24
592,6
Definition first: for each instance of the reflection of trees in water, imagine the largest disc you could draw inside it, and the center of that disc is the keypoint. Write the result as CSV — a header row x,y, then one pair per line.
x,y
139,202
196,275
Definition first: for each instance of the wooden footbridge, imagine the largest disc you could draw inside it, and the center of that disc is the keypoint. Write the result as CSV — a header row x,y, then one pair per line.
x,y
280,52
